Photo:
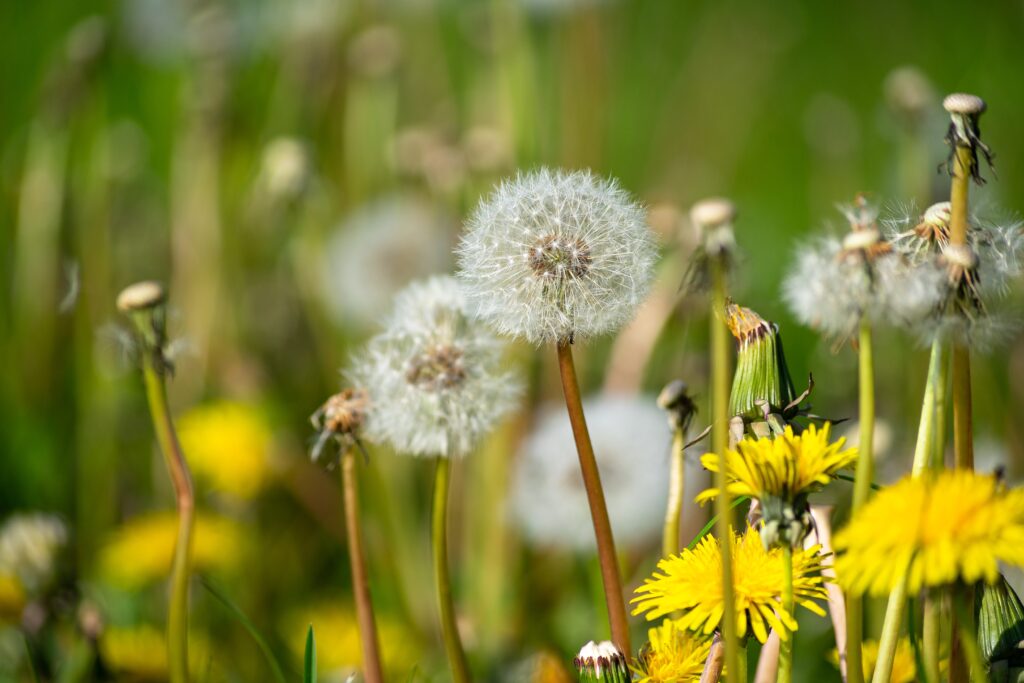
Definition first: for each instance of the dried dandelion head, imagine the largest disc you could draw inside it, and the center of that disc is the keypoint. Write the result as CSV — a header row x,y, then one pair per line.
x,y
434,376
555,255
712,219
341,419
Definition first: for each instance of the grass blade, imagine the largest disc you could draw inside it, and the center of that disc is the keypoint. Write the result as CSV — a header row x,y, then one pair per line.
x,y
711,523
309,671
237,612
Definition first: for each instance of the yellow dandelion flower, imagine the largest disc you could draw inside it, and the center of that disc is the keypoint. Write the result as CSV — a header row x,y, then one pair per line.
x,y
141,551
547,667
691,583
786,467
228,445
12,598
933,530
139,653
335,623
904,668
673,655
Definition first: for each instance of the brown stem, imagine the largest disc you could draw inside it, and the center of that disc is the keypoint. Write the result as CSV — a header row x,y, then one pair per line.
x,y
595,497
372,669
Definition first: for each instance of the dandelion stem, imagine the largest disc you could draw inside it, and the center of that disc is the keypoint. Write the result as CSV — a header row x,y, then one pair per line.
x,y
861,491
153,370
930,636
890,632
924,450
963,598
372,670
786,646
442,577
719,444
676,486
595,497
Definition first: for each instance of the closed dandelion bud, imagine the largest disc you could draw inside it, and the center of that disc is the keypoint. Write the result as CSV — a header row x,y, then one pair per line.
x,y
762,382
602,662
1000,616
553,255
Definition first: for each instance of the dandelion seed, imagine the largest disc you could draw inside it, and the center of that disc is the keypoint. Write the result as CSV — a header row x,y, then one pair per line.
x,y
581,269
631,446
434,375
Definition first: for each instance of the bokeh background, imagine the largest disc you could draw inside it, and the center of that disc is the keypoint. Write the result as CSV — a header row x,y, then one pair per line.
x,y
285,166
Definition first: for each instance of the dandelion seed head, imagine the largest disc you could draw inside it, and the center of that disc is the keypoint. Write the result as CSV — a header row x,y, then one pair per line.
x,y
631,443
140,296
434,375
553,255
29,546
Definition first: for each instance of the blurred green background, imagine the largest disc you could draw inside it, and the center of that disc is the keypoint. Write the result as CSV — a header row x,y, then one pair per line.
x,y
284,166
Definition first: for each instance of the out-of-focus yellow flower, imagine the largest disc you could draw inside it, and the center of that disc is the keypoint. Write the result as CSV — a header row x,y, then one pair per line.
x,y
691,583
673,655
139,653
229,446
12,598
548,668
338,645
141,551
787,467
904,669
933,530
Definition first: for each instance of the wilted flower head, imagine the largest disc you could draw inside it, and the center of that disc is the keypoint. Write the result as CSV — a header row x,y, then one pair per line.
x,y
631,444
340,418
672,655
29,545
434,375
835,284
691,583
932,531
554,255
602,663
712,219
376,250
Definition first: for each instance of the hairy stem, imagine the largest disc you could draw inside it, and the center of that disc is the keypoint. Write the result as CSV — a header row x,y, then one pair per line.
x,y
181,479
861,491
786,646
372,670
442,577
595,497
676,486
719,444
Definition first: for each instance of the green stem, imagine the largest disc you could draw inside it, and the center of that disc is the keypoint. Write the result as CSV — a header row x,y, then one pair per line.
x,y
890,633
442,578
967,633
676,486
177,617
606,555
938,458
861,491
719,444
786,646
930,636
925,447
372,669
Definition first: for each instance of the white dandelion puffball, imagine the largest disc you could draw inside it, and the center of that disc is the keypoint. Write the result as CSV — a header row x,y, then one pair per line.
x,y
833,294
29,545
434,376
376,250
631,443
552,255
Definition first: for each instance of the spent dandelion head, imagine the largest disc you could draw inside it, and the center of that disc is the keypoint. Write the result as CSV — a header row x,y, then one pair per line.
x,y
553,255
954,526
964,131
602,663
339,419
672,655
434,376
631,446
691,583
677,403
781,473
712,220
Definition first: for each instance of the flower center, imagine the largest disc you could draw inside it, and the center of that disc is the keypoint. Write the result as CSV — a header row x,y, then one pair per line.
x,y
556,257
437,368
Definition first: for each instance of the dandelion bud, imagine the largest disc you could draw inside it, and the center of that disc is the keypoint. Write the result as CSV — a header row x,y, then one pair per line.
x,y
762,377
602,662
1000,621
140,296
555,255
